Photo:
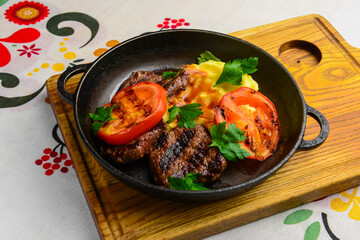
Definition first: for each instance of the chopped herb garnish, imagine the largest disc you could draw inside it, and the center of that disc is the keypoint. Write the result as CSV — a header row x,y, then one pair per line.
x,y
206,56
187,114
100,117
169,74
233,71
187,183
227,140
249,65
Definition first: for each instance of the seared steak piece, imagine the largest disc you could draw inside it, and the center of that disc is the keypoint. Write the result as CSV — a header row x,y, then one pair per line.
x,y
135,149
171,85
176,84
141,76
182,151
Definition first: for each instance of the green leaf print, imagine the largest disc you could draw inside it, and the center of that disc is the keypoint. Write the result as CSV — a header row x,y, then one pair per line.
x,y
313,231
298,216
9,80
53,24
7,102
2,2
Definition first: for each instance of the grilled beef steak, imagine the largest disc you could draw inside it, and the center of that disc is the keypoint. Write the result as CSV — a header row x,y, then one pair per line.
x,y
141,76
135,149
171,85
182,151
176,84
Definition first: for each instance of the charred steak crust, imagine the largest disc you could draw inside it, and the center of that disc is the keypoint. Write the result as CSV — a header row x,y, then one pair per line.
x,y
171,85
182,151
135,149
141,76
176,84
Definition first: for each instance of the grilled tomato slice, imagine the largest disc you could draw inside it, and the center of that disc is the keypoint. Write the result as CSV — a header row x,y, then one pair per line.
x,y
140,108
256,115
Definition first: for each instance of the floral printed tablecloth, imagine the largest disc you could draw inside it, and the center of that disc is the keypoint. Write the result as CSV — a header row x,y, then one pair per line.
x,y
40,194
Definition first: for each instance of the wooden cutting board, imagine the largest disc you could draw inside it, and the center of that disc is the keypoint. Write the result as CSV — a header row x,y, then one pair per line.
x,y
328,72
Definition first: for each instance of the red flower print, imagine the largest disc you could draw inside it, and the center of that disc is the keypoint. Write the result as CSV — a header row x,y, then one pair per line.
x,y
21,36
173,23
29,50
26,13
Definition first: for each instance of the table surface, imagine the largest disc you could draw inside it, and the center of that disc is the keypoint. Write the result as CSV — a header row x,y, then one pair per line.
x,y
41,196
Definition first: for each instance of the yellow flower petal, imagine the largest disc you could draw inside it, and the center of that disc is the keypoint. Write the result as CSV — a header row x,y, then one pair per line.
x,y
339,205
355,210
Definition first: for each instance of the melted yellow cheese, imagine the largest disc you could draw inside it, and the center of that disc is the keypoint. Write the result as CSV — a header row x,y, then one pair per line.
x,y
201,89
214,70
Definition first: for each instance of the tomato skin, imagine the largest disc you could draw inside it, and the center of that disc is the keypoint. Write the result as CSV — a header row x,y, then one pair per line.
x,y
256,115
140,108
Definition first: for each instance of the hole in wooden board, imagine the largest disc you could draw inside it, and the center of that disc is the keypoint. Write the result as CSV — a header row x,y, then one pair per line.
x,y
312,129
299,53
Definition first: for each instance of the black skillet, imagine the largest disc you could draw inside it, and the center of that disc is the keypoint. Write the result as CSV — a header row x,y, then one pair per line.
x,y
174,49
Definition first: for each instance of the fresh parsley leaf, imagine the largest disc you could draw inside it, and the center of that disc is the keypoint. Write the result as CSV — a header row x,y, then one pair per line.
x,y
206,56
233,71
173,112
169,74
249,65
186,183
227,140
187,114
100,117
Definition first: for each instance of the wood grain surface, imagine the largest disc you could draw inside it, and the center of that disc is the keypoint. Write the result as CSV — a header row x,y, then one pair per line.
x,y
328,72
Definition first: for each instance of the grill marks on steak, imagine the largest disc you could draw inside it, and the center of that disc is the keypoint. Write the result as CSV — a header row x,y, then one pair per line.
x,y
182,151
174,151
171,85
135,149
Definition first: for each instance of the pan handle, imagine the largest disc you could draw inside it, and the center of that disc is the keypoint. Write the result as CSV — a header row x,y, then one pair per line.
x,y
65,76
324,132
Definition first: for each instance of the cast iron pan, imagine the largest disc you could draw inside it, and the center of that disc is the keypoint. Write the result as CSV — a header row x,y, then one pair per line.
x,y
174,49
